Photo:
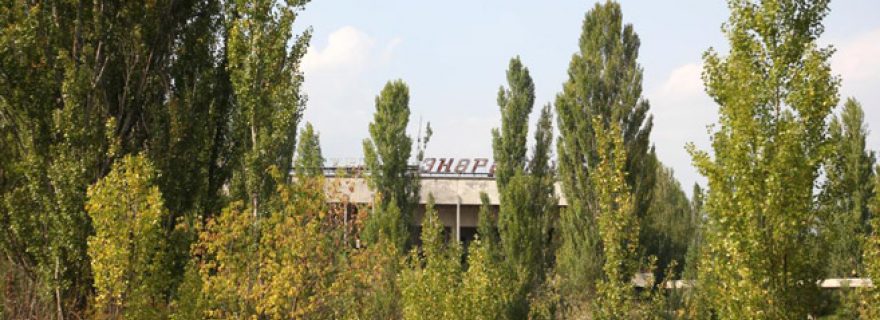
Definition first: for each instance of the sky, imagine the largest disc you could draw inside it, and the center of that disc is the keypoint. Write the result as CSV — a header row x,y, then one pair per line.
x,y
454,54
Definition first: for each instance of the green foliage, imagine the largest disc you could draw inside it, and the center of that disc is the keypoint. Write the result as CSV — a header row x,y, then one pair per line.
x,y
671,222
436,285
309,162
429,285
692,257
618,226
525,187
188,303
761,256
127,249
279,267
869,306
484,292
545,202
131,130
516,102
847,190
263,63
605,81
369,283
387,154
487,226
545,301
385,222
688,302
844,198
83,86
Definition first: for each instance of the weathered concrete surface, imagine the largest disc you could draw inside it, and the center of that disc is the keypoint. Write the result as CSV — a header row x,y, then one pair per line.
x,y
453,190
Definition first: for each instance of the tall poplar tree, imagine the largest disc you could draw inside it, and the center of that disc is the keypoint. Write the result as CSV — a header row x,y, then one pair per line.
x,y
618,227
761,257
847,190
309,162
605,81
264,57
387,154
509,142
525,186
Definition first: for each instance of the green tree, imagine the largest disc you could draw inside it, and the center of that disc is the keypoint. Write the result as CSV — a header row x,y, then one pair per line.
x,y
762,257
430,283
188,302
847,190
689,303
387,155
263,59
83,86
670,222
870,297
369,280
435,283
484,289
487,225
283,267
509,142
128,246
525,186
845,196
618,227
545,202
693,250
309,162
605,80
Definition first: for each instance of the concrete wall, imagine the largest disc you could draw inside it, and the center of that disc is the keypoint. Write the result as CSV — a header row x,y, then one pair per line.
x,y
456,198
446,190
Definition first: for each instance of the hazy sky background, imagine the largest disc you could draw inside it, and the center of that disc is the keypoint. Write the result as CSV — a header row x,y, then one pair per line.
x,y
453,55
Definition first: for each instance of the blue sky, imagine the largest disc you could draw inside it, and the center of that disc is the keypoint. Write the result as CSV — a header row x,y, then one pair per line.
x,y
453,55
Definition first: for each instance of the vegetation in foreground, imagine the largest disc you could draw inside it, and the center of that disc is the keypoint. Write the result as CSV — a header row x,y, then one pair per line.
x,y
145,152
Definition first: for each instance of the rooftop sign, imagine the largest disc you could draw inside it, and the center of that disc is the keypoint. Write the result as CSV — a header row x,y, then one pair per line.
x,y
430,166
474,166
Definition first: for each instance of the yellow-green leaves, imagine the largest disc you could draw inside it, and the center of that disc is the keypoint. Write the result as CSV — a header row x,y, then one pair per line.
x,y
280,266
484,292
618,226
870,297
435,285
429,285
762,253
128,246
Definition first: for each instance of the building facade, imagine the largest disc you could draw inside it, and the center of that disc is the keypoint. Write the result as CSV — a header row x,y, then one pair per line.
x,y
456,185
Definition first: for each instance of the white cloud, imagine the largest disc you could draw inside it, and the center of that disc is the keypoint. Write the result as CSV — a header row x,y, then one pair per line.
x,y
346,48
342,78
682,111
859,58
684,81
857,61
